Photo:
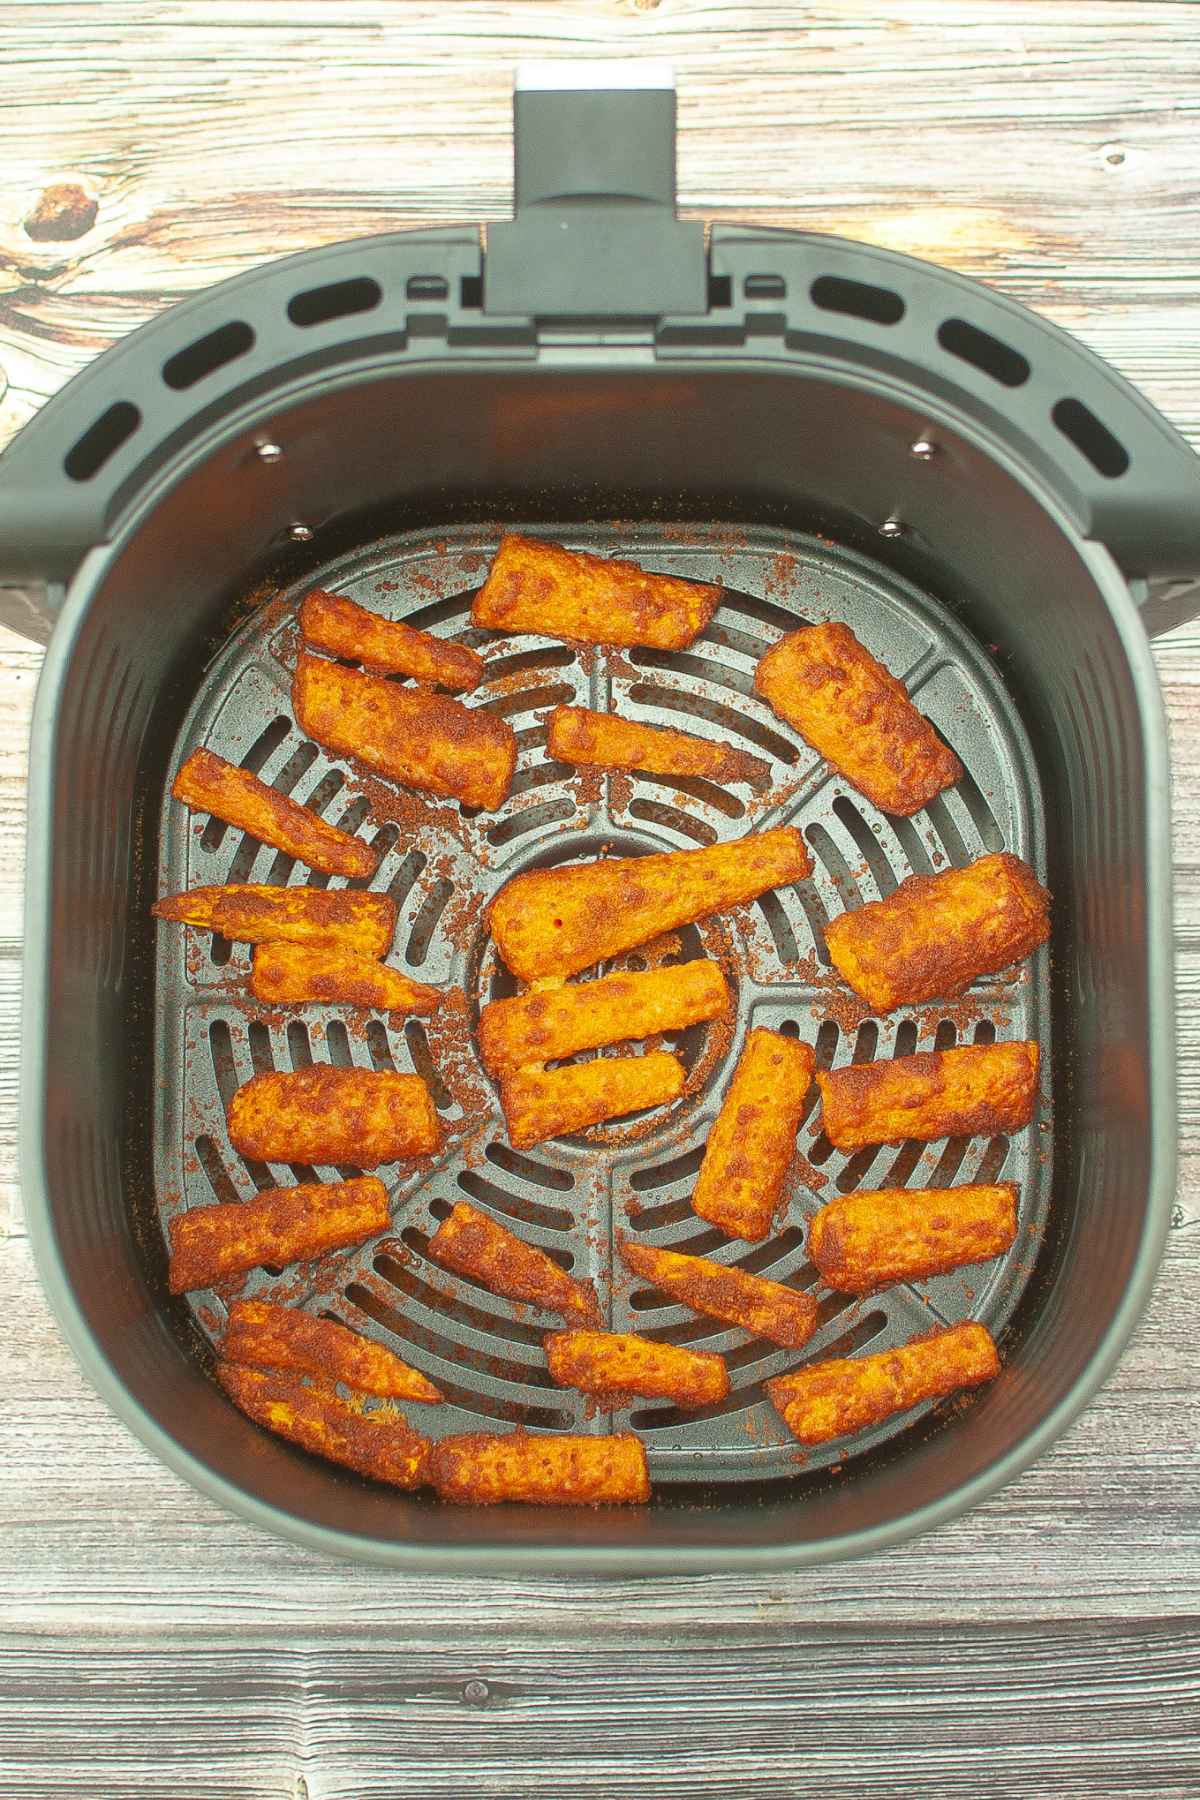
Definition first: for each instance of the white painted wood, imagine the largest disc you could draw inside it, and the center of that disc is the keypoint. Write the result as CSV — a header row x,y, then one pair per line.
x,y
148,1644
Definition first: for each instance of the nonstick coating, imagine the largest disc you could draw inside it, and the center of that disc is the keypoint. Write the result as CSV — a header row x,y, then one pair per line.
x,y
443,864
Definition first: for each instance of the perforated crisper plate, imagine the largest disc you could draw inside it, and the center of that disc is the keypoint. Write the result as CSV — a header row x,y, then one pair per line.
x,y
443,865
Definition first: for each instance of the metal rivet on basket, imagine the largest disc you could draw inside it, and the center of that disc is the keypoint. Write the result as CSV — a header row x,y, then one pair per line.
x,y
268,453
891,528
923,449
476,1693
300,534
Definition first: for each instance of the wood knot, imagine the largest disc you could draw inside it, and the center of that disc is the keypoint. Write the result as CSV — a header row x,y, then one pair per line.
x,y
63,211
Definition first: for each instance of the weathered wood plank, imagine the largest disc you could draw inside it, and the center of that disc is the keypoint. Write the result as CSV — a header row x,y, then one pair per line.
x,y
790,1712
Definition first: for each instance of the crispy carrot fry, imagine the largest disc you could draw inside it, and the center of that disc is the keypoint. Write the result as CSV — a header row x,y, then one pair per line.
x,y
937,933
858,716
535,586
208,783
547,1103
752,1142
482,1469
281,1225
256,913
324,1115
380,1443
865,1241
285,1338
338,625
557,921
542,1026
608,1363
417,738
979,1090
471,1243
765,1308
290,974
831,1399
601,740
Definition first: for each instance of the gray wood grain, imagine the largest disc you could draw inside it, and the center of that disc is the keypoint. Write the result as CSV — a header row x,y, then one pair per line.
x,y
950,1712
1048,1643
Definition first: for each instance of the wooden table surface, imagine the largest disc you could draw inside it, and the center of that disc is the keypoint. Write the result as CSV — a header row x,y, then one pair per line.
x,y
1049,1644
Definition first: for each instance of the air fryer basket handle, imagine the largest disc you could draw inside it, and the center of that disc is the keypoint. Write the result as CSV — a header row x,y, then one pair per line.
x,y
595,234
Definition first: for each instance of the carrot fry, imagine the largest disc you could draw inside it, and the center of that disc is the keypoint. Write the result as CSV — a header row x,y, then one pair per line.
x,y
256,913
281,1225
557,921
601,740
753,1140
483,1469
414,737
471,1243
853,712
978,1090
325,1115
285,1338
332,622
208,783
291,974
542,1026
547,1103
865,1241
765,1308
937,933
610,1363
535,586
381,1443
831,1399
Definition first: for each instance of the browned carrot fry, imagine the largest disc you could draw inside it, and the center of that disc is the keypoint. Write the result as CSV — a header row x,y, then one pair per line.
x,y
255,913
866,1241
547,1103
482,1469
285,1338
765,1308
752,1142
545,1025
324,1115
282,1225
471,1243
291,974
601,740
557,921
608,1363
937,933
417,738
831,1399
535,586
858,716
334,623
380,1443
979,1090
208,783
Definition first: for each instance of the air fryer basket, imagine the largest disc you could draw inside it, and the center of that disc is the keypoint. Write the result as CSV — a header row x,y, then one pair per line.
x,y
828,430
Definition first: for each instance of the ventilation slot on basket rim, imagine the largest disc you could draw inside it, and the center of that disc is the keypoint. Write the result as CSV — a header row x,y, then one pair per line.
x,y
857,299
208,354
101,441
1080,426
984,352
335,300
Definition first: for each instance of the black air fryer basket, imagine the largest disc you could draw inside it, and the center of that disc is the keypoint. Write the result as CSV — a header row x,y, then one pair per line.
x,y
826,429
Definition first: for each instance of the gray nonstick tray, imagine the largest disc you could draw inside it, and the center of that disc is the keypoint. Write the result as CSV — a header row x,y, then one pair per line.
x,y
443,864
